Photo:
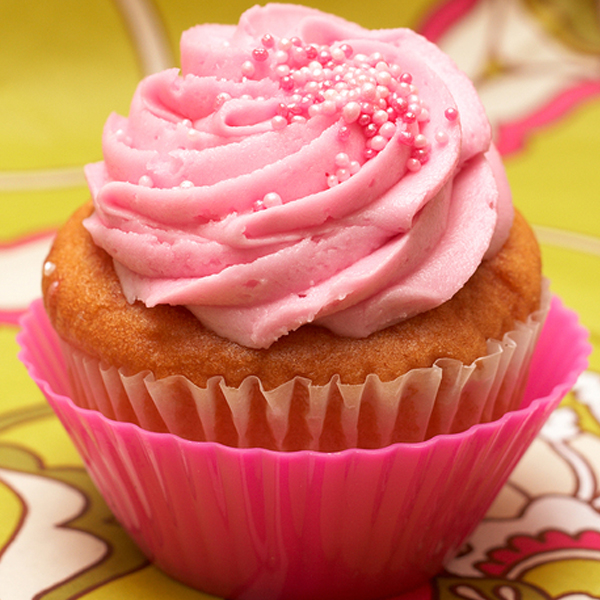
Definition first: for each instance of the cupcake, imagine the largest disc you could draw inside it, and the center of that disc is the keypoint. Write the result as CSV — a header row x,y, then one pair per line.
x,y
300,257
293,227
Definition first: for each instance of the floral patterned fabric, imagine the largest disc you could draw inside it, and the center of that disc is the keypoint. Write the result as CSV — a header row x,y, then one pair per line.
x,y
66,64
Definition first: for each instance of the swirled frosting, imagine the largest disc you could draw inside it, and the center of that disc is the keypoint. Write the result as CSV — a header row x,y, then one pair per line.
x,y
300,169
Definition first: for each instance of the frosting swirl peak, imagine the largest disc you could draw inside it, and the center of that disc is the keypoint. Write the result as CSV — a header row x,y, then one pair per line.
x,y
300,169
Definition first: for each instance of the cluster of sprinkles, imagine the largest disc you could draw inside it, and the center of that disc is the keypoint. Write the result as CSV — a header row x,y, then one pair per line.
x,y
332,80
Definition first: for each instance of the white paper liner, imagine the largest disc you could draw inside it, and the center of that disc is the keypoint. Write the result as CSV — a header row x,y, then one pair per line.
x,y
446,398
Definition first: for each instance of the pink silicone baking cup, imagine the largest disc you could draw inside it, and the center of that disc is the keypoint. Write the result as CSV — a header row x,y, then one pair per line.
x,y
260,524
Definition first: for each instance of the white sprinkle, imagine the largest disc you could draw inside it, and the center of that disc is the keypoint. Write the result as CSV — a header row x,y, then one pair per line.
x,y
351,112
379,117
423,116
412,164
387,130
342,160
441,137
248,68
285,43
328,107
49,268
278,122
378,143
281,57
342,175
338,55
282,70
272,199
221,99
421,141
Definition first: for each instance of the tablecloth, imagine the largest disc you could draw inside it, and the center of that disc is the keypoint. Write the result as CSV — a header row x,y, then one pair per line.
x,y
66,64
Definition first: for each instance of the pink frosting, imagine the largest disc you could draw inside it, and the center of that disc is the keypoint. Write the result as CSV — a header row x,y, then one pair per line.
x,y
264,188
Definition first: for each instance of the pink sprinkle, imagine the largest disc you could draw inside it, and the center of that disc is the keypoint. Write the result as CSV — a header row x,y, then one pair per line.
x,y
406,78
295,109
299,55
421,154
347,50
367,108
399,104
451,114
268,41
332,181
311,52
371,130
343,133
324,57
413,165
286,83
364,120
392,114
260,54
406,138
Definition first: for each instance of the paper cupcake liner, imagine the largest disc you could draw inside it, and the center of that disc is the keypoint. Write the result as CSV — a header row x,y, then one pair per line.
x,y
257,524
446,398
